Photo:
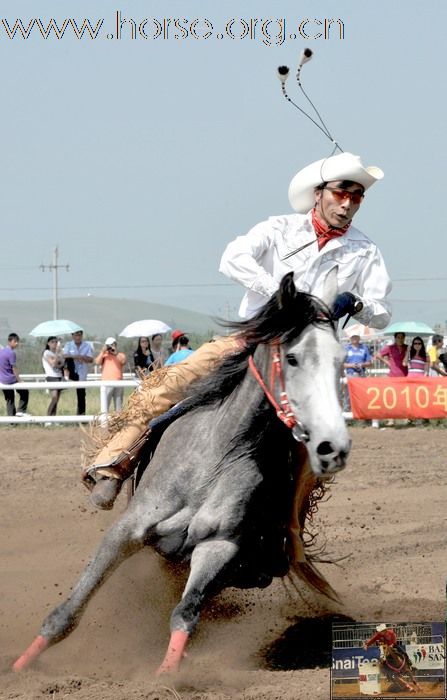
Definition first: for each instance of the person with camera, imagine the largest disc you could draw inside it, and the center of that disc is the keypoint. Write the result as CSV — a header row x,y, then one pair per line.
x,y
112,362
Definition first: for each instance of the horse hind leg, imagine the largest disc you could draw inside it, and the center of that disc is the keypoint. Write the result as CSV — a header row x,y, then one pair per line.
x,y
207,562
118,544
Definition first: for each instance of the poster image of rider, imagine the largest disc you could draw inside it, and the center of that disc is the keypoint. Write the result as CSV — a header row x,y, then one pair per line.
x,y
388,660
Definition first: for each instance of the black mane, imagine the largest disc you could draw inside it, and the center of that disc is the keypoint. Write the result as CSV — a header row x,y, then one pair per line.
x,y
284,317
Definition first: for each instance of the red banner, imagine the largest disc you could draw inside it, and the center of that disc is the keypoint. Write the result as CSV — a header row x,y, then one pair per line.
x,y
398,397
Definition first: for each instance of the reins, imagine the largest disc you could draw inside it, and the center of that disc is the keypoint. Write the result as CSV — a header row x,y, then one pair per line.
x,y
283,408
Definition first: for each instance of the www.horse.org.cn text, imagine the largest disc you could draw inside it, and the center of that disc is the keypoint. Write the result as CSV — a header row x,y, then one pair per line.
x,y
268,31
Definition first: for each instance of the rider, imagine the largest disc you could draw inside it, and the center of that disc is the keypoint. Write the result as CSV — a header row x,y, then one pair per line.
x,y
384,635
326,196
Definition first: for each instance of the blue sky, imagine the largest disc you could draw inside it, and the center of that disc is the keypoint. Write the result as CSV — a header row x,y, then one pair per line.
x,y
142,158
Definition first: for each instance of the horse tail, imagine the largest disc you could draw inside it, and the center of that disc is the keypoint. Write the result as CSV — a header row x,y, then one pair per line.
x,y
309,491
307,572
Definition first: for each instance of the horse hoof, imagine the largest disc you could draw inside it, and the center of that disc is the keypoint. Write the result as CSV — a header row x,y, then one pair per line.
x,y
34,650
175,653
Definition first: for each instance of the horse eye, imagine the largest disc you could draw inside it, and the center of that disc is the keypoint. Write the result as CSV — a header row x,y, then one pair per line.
x,y
291,359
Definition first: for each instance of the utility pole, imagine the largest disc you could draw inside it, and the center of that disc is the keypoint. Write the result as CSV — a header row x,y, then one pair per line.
x,y
54,267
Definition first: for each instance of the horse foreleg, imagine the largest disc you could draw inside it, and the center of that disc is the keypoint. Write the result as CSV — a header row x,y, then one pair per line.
x,y
207,562
413,679
118,544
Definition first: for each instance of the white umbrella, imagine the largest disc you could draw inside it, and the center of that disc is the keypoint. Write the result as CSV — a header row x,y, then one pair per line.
x,y
144,328
59,326
362,331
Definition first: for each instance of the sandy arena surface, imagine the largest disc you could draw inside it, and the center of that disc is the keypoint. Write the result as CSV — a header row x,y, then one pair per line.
x,y
386,514
427,690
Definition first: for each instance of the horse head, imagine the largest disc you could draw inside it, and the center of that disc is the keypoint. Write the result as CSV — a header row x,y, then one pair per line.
x,y
312,365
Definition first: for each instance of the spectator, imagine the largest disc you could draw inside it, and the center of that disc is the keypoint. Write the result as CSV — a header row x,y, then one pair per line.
x,y
53,363
158,351
436,366
112,362
180,347
143,358
175,336
9,374
357,359
443,361
416,359
393,356
78,355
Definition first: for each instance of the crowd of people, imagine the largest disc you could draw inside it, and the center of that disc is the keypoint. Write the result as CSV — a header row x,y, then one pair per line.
x,y
74,359
403,359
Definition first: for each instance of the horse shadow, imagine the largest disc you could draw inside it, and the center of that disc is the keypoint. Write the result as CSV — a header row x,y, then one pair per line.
x,y
307,643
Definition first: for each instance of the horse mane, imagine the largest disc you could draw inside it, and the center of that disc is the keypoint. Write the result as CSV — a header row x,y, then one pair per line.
x,y
284,317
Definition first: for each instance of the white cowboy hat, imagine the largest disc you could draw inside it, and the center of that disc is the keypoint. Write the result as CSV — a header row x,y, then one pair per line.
x,y
343,166
381,627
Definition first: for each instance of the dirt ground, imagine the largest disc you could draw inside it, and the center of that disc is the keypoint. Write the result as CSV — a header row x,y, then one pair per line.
x,y
427,690
386,517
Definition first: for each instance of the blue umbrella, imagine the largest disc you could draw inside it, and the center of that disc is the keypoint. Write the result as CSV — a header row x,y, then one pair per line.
x,y
57,327
410,327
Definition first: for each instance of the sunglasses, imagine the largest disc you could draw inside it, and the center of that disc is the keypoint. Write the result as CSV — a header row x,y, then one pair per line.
x,y
417,342
340,195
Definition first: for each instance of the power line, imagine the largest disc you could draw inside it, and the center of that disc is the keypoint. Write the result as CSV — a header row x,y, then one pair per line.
x,y
54,267
123,286
419,279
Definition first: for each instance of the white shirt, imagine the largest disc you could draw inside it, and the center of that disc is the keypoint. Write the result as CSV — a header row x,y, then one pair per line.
x,y
255,260
50,370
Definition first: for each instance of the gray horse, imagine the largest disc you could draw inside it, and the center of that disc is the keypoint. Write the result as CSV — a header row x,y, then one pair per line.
x,y
236,505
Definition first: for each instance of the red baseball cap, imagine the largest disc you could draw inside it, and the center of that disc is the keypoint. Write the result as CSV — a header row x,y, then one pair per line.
x,y
176,335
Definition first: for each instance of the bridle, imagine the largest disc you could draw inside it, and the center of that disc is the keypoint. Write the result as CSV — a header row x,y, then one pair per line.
x,y
283,408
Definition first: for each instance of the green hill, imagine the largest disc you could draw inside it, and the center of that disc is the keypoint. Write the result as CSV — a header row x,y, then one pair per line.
x,y
99,316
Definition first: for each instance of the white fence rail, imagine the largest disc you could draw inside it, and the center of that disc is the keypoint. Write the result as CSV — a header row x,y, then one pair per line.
x,y
37,381
43,385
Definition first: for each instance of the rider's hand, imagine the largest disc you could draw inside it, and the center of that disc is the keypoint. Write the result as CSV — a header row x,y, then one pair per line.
x,y
345,303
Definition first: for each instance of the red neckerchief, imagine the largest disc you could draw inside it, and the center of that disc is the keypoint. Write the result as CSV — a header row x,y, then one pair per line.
x,y
324,232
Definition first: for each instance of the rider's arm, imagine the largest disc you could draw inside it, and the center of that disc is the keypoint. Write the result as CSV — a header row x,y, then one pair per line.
x,y
242,260
372,639
373,286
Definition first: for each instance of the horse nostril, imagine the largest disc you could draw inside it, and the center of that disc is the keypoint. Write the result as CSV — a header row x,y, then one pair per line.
x,y
325,448
331,460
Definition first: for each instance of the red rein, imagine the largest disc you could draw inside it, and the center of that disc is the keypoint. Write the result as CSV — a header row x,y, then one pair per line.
x,y
283,409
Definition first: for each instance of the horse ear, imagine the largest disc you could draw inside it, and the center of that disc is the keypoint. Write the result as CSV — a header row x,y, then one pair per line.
x,y
330,289
287,290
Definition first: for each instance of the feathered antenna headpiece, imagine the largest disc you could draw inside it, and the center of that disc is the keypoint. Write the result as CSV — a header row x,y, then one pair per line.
x,y
283,74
